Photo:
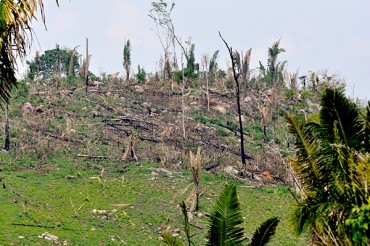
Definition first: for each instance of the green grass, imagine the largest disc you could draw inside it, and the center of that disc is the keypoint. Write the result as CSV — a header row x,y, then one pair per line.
x,y
48,202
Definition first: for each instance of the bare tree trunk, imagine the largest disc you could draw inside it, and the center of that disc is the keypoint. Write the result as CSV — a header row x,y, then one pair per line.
x,y
7,128
59,70
207,80
87,66
183,98
236,78
244,159
208,108
197,195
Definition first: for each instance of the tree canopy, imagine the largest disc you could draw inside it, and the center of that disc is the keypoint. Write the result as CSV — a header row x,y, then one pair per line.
x,y
56,60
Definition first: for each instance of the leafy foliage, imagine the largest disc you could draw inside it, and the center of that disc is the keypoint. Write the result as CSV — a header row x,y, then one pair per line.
x,y
127,58
333,165
53,61
141,74
191,70
273,73
15,20
213,65
359,224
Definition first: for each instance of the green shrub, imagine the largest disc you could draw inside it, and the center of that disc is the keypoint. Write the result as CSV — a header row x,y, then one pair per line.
x,y
232,123
229,84
289,94
257,128
202,119
141,74
359,224
216,121
222,132
258,135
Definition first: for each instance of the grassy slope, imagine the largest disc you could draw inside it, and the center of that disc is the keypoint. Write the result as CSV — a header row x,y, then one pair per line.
x,y
144,207
37,164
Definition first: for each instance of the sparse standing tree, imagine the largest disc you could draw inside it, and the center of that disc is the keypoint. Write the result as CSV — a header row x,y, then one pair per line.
x,y
58,68
246,66
127,58
213,65
183,97
274,73
71,69
87,66
37,62
273,53
205,63
160,13
196,169
235,61
265,116
303,80
7,128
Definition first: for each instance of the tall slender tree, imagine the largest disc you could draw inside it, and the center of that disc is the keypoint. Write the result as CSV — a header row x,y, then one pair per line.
x,y
127,58
273,53
87,64
235,61
7,128
205,65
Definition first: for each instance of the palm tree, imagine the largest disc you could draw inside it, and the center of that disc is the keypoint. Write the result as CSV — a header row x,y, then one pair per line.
x,y
15,20
226,220
127,58
331,148
273,53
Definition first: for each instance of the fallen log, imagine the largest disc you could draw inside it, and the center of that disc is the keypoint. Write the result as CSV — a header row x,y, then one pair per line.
x,y
95,156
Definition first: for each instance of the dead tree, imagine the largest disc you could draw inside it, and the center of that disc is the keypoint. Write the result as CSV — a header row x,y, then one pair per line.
x,y
196,168
183,98
235,59
7,128
87,66
130,149
160,14
205,63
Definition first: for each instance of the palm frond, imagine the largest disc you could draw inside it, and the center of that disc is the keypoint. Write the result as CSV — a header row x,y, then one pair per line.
x,y
330,163
15,36
213,63
226,220
265,232
303,163
338,112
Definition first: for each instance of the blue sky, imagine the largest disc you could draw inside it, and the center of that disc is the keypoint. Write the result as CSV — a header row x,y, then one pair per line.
x,y
316,34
